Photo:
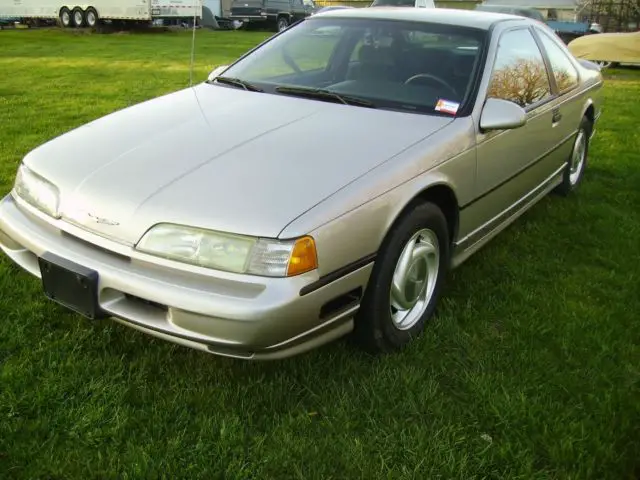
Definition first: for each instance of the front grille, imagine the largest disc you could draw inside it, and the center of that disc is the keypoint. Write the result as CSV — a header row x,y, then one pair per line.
x,y
96,247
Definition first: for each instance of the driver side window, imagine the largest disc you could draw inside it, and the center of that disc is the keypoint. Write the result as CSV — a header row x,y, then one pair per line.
x,y
519,72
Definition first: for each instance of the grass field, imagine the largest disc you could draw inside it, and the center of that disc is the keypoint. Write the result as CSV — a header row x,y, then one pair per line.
x,y
530,370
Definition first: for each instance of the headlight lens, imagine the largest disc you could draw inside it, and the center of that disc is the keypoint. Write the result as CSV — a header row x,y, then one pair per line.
x,y
37,191
232,253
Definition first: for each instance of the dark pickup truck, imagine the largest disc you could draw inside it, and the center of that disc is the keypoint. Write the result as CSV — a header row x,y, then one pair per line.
x,y
278,14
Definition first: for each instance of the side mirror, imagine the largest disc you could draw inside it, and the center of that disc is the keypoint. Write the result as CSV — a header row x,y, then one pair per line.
x,y
500,114
216,71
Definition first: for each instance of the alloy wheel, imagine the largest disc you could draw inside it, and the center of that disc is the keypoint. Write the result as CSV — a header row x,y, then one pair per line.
x,y
414,279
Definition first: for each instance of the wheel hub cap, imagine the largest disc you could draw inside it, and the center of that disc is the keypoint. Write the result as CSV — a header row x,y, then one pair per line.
x,y
577,159
414,279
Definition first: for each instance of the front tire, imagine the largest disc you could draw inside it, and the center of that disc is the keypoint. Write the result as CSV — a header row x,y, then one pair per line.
x,y
577,161
406,281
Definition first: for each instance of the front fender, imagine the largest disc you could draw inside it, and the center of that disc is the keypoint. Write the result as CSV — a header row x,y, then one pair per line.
x,y
353,223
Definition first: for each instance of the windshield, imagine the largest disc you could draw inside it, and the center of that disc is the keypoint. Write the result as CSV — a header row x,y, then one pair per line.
x,y
409,66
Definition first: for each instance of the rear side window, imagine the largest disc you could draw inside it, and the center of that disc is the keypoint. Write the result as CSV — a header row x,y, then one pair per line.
x,y
564,72
519,73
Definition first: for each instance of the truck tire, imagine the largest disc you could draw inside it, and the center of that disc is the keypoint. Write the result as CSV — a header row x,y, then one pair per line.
x,y
91,18
78,17
65,17
282,23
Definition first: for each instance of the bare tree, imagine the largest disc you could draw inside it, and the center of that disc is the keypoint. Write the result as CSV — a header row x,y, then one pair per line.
x,y
523,81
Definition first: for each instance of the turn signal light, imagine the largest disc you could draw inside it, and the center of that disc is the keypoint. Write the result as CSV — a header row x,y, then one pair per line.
x,y
303,257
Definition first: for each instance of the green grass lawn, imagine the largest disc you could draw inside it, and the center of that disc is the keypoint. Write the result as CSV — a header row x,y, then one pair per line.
x,y
530,370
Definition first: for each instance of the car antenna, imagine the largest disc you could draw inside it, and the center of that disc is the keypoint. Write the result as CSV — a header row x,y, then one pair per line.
x,y
193,41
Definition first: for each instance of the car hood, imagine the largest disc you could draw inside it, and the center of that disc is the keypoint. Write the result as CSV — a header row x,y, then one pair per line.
x,y
218,158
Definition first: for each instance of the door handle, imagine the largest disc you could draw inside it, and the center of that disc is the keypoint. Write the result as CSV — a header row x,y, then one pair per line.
x,y
556,116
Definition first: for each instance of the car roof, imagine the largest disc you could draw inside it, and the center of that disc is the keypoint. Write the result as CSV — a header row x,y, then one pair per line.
x,y
463,18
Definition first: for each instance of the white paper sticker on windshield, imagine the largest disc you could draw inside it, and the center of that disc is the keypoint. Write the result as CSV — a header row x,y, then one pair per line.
x,y
447,106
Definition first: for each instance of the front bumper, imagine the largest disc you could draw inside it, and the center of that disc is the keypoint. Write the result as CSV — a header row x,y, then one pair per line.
x,y
227,314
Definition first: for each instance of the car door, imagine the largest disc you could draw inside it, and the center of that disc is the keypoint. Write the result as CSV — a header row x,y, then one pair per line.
x,y
567,108
512,164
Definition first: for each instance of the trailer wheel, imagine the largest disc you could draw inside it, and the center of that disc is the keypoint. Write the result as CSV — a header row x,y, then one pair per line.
x,y
65,17
91,17
78,17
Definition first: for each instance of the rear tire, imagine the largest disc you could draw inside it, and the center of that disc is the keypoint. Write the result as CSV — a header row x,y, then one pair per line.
x,y
91,18
78,17
577,161
282,23
406,281
65,17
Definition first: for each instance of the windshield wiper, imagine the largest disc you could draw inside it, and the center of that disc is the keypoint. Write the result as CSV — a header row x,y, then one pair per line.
x,y
236,82
325,95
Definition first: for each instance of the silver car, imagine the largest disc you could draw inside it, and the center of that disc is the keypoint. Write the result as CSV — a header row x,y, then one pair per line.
x,y
321,185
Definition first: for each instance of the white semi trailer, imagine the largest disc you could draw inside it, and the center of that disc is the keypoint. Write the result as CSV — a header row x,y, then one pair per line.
x,y
94,11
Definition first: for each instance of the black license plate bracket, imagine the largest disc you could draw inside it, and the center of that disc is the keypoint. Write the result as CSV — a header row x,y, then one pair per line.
x,y
71,285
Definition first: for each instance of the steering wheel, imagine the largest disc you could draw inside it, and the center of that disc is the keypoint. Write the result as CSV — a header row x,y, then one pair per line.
x,y
433,79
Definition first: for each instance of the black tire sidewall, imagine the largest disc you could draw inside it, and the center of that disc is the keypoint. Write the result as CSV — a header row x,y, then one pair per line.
x,y
73,18
283,21
62,12
566,186
86,18
374,324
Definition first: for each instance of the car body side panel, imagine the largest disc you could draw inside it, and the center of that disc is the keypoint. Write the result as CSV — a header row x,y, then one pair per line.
x,y
480,217
505,161
510,162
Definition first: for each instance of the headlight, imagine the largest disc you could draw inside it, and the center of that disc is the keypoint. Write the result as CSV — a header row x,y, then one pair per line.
x,y
37,191
232,253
